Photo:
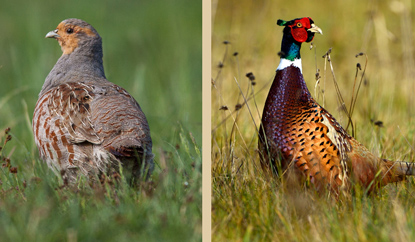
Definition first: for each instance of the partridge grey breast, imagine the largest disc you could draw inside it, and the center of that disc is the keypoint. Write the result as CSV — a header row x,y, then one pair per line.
x,y
82,123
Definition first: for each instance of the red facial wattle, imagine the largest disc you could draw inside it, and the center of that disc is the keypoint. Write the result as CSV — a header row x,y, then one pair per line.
x,y
299,34
299,30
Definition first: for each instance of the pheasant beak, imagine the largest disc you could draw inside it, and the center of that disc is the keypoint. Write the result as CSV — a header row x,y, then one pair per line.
x,y
315,29
52,34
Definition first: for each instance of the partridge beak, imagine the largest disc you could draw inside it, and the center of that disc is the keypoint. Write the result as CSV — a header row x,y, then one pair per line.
x,y
52,34
315,29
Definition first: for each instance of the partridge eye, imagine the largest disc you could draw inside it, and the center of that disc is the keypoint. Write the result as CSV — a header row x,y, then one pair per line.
x,y
69,30
299,25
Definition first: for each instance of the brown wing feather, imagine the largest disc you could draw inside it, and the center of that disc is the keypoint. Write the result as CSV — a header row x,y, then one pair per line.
x,y
120,122
88,127
71,102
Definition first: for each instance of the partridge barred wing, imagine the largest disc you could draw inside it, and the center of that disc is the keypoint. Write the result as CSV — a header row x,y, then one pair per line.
x,y
64,133
91,128
70,103
120,121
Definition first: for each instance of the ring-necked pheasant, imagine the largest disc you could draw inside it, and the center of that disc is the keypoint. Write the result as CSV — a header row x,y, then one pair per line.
x,y
299,135
82,123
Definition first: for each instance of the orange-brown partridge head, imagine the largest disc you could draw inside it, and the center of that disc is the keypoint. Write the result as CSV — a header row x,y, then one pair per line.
x,y
73,33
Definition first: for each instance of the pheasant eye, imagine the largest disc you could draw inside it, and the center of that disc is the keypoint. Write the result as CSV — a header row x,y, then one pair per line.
x,y
299,25
69,30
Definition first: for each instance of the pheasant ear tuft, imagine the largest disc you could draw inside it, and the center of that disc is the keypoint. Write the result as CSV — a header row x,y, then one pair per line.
x,y
281,22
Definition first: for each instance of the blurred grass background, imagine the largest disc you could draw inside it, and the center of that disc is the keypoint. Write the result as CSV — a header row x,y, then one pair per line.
x,y
247,205
153,50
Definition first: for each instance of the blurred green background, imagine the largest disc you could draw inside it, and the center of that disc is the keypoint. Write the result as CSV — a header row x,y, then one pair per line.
x,y
153,49
253,207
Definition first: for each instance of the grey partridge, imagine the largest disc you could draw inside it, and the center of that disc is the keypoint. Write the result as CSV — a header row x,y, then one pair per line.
x,y
298,136
82,123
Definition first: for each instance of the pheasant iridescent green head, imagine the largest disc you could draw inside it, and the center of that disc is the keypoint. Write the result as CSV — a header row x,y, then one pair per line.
x,y
296,31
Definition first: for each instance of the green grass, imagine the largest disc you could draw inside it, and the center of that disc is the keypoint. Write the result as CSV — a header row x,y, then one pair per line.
x,y
249,206
153,50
